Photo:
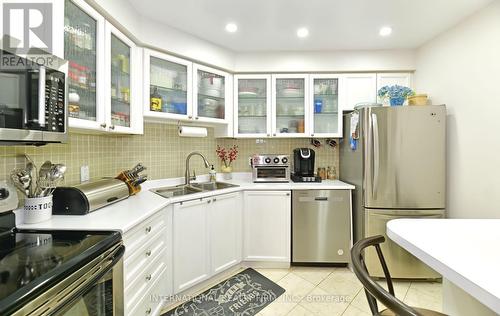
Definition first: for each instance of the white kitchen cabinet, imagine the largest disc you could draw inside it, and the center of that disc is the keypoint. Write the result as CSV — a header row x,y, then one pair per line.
x,y
252,106
147,265
225,223
290,117
358,88
168,87
323,106
123,89
103,73
84,50
191,258
207,237
267,221
393,78
212,95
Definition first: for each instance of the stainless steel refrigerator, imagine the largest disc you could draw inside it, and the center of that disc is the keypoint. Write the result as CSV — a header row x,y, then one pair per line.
x,y
397,161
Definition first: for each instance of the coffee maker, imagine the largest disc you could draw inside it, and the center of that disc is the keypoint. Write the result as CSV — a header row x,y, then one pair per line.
x,y
303,165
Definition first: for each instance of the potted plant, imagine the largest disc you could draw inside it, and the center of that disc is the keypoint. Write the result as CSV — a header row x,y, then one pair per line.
x,y
227,156
396,94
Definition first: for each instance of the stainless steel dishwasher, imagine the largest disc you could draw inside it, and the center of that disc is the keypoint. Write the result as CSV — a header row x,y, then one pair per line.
x,y
321,226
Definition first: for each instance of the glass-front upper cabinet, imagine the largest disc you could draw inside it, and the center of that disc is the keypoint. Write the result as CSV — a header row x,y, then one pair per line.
x,y
167,86
324,106
290,97
212,94
122,89
252,95
83,48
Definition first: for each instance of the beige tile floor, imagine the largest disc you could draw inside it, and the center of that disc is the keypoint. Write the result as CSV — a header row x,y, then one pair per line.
x,y
334,292
337,291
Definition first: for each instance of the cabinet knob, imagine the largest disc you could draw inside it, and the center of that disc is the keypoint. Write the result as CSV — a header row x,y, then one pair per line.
x,y
148,229
268,135
148,277
103,125
190,117
312,134
274,134
148,253
111,127
148,311
214,200
196,118
288,194
209,201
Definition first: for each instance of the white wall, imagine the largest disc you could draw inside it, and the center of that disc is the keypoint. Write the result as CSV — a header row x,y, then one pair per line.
x,y
157,35
338,61
461,68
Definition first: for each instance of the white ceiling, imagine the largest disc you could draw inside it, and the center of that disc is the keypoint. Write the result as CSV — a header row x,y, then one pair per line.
x,y
270,25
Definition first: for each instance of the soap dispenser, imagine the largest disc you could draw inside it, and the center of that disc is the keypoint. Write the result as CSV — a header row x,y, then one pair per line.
x,y
212,174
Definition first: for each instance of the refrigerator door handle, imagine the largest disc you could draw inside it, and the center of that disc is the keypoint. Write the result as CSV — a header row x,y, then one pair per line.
x,y
376,155
416,215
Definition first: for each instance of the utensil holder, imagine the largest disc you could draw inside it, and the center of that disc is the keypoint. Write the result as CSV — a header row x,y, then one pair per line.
x,y
37,210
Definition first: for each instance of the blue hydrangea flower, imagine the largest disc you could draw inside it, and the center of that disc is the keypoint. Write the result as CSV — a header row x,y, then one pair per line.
x,y
395,91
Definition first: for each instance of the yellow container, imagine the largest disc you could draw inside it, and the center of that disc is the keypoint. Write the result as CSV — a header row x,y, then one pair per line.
x,y
417,99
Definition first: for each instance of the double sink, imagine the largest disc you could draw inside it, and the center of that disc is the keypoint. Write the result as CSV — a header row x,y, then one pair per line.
x,y
186,189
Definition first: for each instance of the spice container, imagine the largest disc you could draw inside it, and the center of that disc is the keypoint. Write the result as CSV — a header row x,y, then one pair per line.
x,y
322,173
331,173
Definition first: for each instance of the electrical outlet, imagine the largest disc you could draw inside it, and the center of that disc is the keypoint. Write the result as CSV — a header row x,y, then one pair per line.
x,y
84,173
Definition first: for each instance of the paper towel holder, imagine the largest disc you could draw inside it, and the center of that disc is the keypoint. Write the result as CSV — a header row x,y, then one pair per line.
x,y
192,131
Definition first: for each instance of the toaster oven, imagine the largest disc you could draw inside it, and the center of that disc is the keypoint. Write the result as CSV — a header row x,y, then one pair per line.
x,y
270,168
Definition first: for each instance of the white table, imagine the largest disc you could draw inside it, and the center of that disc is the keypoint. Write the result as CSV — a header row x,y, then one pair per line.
x,y
466,252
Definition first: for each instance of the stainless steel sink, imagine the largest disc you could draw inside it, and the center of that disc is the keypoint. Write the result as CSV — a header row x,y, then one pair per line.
x,y
211,186
181,190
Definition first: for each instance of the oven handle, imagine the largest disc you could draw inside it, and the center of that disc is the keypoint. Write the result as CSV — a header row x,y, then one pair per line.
x,y
108,265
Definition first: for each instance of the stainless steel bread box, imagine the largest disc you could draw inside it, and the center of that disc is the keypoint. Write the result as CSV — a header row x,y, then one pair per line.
x,y
88,197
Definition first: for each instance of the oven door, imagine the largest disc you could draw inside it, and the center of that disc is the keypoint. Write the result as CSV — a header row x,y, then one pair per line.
x,y
102,295
96,289
101,298
271,174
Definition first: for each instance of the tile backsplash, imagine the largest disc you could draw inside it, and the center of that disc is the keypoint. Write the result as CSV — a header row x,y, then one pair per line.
x,y
325,155
160,149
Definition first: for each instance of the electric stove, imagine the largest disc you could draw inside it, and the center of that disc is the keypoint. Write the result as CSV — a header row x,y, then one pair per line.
x,y
36,265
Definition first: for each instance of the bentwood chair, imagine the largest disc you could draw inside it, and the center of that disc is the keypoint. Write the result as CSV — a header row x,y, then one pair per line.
x,y
374,291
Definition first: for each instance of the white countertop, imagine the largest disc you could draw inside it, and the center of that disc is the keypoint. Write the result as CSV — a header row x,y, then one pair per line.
x,y
464,251
126,214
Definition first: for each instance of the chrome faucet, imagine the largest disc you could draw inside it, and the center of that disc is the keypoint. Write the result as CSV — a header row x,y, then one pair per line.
x,y
187,174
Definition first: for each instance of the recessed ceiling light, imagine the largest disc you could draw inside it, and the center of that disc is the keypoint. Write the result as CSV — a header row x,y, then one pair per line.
x,y
231,27
302,32
385,31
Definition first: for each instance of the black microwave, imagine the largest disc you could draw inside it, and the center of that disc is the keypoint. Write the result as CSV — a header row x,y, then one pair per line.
x,y
33,99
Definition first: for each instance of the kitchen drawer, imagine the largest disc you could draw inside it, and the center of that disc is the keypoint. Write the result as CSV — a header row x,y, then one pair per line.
x,y
138,261
153,300
139,235
142,284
